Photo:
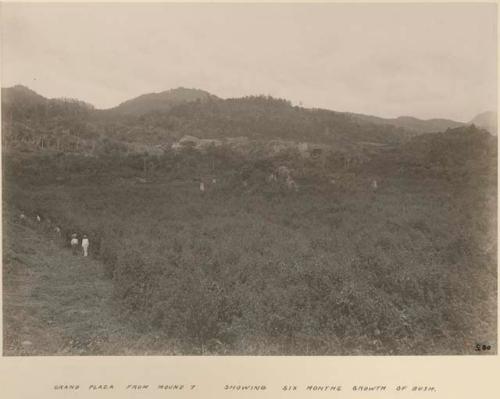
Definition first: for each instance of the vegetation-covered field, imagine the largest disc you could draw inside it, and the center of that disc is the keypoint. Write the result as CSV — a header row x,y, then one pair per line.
x,y
335,268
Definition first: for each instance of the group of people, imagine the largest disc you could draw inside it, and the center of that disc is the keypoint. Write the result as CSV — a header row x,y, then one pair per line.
x,y
75,243
47,223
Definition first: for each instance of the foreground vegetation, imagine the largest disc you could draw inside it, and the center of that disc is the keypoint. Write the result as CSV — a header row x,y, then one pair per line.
x,y
49,311
255,268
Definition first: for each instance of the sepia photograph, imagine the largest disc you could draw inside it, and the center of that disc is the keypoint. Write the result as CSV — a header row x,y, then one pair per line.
x,y
275,179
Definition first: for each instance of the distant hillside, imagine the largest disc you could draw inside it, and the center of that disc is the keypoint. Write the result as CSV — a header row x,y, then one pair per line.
x,y
31,121
20,102
411,124
21,96
455,147
158,102
486,120
160,119
264,118
460,152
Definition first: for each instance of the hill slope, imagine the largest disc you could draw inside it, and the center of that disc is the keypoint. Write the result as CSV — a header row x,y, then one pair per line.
x,y
165,117
412,124
21,96
486,120
267,118
455,148
157,102
21,103
162,118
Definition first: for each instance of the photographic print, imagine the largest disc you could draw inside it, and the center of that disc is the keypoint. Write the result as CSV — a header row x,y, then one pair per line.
x,y
249,179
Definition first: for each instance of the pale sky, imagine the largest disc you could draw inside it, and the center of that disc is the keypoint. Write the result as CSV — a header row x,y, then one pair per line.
x,y
425,60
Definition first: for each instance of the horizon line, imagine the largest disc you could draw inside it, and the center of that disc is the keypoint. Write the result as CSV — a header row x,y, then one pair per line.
x,y
245,96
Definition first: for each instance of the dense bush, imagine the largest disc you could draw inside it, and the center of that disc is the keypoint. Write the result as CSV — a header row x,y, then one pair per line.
x,y
258,269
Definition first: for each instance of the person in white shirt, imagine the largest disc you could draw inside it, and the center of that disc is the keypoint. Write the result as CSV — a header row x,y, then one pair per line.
x,y
74,244
85,245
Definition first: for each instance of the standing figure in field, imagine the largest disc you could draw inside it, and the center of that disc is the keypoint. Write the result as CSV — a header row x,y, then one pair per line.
x,y
85,245
202,186
272,178
290,183
374,185
38,218
74,244
282,173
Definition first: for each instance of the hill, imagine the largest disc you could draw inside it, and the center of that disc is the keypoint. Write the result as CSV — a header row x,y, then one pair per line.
x,y
486,120
158,102
32,121
19,96
412,124
466,151
465,154
21,103
262,118
157,120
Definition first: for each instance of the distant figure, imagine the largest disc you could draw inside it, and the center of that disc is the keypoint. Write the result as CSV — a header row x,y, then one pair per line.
x,y
290,183
74,244
202,187
283,172
85,245
271,178
38,218
214,180
374,185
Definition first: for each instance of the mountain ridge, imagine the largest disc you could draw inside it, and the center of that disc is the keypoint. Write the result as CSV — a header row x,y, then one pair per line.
x,y
164,118
167,99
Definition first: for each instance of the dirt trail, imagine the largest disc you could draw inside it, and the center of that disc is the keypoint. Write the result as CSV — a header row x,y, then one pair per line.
x,y
55,303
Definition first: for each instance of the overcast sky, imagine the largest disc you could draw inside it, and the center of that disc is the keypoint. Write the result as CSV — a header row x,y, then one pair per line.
x,y
434,60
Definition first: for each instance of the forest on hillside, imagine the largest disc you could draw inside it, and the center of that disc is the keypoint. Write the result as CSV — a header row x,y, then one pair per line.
x,y
32,121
